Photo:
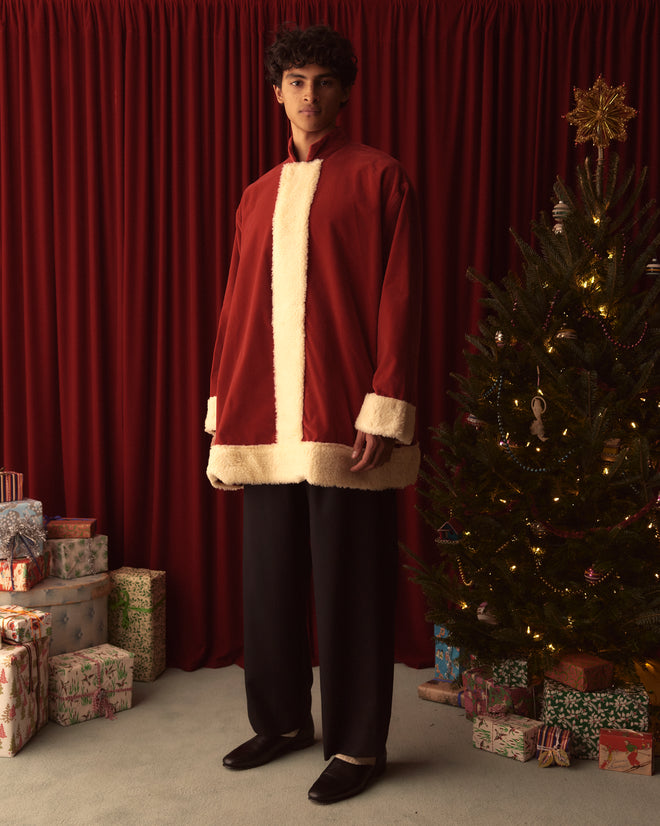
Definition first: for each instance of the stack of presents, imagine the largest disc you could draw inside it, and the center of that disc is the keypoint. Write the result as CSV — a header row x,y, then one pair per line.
x,y
73,635
576,709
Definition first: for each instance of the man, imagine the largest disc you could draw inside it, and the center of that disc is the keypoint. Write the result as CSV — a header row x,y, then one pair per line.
x,y
312,410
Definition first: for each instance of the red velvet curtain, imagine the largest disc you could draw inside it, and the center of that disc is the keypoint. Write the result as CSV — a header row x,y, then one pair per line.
x,y
129,128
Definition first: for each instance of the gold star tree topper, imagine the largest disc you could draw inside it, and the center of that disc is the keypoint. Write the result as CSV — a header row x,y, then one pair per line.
x,y
600,114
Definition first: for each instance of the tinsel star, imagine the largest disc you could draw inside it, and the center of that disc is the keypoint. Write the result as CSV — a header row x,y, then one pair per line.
x,y
600,114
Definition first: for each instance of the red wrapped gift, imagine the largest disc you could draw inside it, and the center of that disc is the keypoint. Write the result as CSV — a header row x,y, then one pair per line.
x,y
585,672
11,486
70,528
624,750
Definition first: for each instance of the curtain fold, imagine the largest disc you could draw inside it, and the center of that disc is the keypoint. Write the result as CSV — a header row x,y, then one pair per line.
x,y
128,130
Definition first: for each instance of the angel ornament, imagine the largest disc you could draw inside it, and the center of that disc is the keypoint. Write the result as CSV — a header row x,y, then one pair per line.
x,y
538,409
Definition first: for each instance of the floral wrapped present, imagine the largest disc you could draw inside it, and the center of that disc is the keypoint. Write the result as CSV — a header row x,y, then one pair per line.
x,y
512,673
24,574
622,750
94,682
78,609
72,558
511,735
586,712
441,691
59,527
23,693
18,624
447,666
11,486
586,672
136,618
553,747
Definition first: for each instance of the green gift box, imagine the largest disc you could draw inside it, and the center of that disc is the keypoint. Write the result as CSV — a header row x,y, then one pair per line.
x,y
512,673
71,558
585,713
93,682
136,618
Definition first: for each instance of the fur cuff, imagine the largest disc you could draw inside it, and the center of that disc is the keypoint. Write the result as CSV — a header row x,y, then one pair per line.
x,y
209,422
383,416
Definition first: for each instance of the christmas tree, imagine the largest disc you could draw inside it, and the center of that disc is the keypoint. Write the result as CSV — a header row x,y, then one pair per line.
x,y
544,494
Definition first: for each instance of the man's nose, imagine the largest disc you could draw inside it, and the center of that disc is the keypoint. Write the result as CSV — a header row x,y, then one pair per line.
x,y
311,92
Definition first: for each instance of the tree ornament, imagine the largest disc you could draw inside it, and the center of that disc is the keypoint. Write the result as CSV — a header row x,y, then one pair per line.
x,y
484,615
538,529
600,114
499,339
593,576
566,333
611,450
538,409
560,212
471,419
653,268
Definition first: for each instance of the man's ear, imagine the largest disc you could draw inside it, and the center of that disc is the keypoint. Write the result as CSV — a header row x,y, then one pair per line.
x,y
278,93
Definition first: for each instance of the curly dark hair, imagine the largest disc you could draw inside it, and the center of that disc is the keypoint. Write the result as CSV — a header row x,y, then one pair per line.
x,y
317,44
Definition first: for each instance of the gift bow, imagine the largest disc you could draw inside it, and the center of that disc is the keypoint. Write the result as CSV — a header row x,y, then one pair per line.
x,y
14,532
554,753
120,600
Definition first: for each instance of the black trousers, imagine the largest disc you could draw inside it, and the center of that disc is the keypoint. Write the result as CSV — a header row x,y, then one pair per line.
x,y
345,541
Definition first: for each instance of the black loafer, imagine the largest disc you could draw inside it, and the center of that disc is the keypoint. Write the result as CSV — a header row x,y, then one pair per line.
x,y
263,748
342,780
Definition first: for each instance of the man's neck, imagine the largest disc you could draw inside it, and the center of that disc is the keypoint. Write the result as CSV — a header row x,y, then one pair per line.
x,y
303,141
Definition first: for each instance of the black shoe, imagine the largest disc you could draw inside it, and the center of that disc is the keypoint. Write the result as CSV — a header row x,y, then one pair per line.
x,y
263,748
342,780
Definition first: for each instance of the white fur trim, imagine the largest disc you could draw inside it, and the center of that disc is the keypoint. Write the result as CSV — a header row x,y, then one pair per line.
x,y
326,465
297,187
383,416
209,421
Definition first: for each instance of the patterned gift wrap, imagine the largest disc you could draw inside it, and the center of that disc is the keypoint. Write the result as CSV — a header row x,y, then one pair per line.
x,y
72,558
511,735
23,574
586,712
26,516
441,691
11,486
136,618
60,527
484,696
94,682
554,746
586,672
23,694
622,750
78,609
447,666
18,624
512,673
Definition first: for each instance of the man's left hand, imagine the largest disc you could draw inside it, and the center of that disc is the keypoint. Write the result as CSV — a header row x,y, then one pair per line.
x,y
371,451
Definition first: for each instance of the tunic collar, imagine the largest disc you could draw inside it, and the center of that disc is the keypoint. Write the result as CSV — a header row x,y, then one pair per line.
x,y
324,147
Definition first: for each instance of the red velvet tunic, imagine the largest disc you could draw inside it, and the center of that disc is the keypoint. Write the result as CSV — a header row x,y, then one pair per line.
x,y
319,328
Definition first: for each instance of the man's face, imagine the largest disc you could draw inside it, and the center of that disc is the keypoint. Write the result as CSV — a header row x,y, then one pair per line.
x,y
312,97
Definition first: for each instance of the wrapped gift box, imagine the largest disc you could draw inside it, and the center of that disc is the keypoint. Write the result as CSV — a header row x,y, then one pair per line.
x,y
512,673
23,693
447,666
553,746
94,682
72,558
78,609
441,691
511,735
136,618
622,750
25,518
11,486
586,672
18,624
61,527
24,573
586,712
484,696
